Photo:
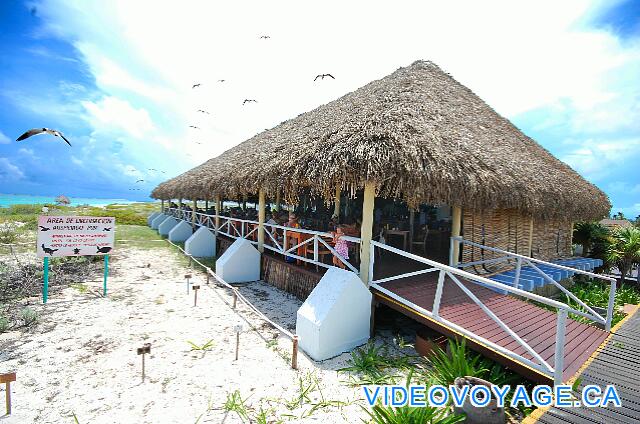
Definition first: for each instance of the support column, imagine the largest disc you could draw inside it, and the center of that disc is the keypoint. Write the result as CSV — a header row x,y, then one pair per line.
x,y
277,207
162,206
366,231
179,207
456,225
530,241
244,203
261,206
218,211
193,214
412,217
206,206
336,202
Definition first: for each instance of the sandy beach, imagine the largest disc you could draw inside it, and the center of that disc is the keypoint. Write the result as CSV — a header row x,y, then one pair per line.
x,y
81,358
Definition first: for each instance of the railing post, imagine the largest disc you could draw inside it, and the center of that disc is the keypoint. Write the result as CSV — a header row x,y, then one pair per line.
x,y
451,242
610,306
315,248
372,260
436,299
284,240
561,328
261,218
518,269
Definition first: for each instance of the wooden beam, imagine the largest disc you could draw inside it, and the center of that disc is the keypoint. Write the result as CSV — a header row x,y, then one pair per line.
x,y
193,213
456,225
261,213
336,202
366,231
218,211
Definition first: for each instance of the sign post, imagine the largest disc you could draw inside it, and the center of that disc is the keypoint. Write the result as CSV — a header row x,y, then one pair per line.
x,y
106,274
45,289
74,236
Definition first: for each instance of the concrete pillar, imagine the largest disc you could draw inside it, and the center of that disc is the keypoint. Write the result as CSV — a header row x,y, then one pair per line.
x,y
261,207
336,203
456,225
366,231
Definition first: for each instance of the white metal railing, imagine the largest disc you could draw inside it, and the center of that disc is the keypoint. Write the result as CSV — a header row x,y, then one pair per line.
x,y
278,238
521,260
455,275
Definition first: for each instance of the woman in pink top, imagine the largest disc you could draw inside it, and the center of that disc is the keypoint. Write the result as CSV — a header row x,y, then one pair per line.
x,y
341,246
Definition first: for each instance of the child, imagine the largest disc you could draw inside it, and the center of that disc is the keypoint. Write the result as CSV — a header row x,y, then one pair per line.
x,y
341,246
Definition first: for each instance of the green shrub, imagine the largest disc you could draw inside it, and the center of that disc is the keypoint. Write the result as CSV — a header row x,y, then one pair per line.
x,y
29,317
4,324
8,233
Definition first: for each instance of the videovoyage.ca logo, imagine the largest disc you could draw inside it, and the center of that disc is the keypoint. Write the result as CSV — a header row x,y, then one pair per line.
x,y
440,396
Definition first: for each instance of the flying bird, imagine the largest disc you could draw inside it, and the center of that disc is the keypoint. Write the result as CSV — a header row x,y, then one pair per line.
x,y
264,37
249,101
140,181
37,131
152,169
322,76
193,126
221,80
197,142
203,111
195,85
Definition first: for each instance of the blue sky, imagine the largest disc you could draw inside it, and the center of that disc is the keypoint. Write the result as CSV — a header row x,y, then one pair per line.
x,y
115,78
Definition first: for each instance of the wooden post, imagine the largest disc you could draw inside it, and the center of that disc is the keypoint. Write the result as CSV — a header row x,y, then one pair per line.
x,y
7,379
244,203
195,294
145,349
456,225
235,299
277,206
261,206
179,208
336,203
412,217
294,353
162,205
193,214
530,242
206,206
366,231
218,212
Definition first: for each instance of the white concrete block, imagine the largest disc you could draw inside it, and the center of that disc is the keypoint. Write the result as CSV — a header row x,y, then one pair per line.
x,y
180,232
202,244
152,216
158,220
167,225
240,263
335,318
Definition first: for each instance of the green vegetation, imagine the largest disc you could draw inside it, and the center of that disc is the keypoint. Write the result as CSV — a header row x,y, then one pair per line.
x,y
624,249
596,293
138,236
81,287
29,317
5,324
235,403
372,364
205,347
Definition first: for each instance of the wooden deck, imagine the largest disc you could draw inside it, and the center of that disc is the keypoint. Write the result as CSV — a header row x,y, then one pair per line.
x,y
617,362
535,325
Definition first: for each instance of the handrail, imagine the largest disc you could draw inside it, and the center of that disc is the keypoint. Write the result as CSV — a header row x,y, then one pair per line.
x,y
453,273
530,261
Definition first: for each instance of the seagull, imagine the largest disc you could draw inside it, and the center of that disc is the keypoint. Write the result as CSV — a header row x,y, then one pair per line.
x,y
140,181
249,101
153,169
37,131
221,80
195,85
264,37
193,126
203,111
197,142
321,76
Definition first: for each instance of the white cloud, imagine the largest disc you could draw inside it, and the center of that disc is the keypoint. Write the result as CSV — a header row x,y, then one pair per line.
x,y
596,159
4,139
9,171
111,114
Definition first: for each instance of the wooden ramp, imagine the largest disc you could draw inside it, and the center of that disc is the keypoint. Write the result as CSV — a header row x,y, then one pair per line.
x,y
617,362
535,325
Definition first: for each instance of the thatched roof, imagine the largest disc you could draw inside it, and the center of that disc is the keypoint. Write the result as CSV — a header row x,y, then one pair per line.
x,y
419,135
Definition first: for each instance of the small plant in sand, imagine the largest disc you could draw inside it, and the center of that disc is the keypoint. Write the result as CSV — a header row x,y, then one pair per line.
x,y
265,416
5,324
205,347
8,233
29,317
371,364
81,287
235,403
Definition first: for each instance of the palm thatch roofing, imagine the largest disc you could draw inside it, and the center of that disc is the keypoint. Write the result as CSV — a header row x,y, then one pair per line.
x,y
419,135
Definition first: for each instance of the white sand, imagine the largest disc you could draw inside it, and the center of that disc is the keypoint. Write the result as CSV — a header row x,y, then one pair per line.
x,y
82,358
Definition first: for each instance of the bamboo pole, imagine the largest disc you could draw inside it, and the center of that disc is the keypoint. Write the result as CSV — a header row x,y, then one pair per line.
x,y
336,208
456,225
530,242
217,213
193,213
366,230
261,207
294,353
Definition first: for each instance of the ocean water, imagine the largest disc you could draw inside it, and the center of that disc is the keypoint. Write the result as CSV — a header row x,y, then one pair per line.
x,y
16,199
